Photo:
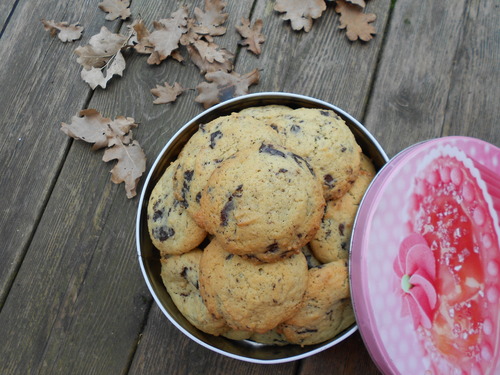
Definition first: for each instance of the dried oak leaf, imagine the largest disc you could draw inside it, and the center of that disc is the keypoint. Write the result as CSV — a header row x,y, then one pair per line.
x,y
101,48
65,32
300,12
167,94
356,23
100,76
90,126
360,3
211,52
131,164
204,65
115,9
222,86
252,35
166,37
140,37
209,21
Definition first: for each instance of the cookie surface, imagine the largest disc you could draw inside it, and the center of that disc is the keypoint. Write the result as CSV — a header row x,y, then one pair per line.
x,y
326,310
171,229
264,203
249,296
322,138
180,275
332,240
265,112
210,146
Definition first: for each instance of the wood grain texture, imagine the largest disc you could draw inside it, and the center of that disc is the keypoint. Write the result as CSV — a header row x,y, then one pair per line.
x,y
80,294
39,90
322,63
348,357
446,59
161,343
6,9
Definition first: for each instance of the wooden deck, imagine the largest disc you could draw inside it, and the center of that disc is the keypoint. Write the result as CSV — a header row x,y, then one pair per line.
x,y
72,297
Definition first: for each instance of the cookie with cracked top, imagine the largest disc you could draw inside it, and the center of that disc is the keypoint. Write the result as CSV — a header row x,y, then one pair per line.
x,y
332,240
326,310
211,145
180,275
322,138
248,296
263,203
171,229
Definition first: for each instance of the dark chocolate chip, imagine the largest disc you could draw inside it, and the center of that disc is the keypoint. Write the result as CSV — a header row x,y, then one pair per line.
x,y
158,214
325,113
163,233
214,137
269,149
295,128
184,272
299,160
198,197
329,180
229,256
343,149
341,229
188,175
228,207
272,248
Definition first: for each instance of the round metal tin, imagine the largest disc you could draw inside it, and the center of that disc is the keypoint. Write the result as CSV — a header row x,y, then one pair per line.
x,y
149,258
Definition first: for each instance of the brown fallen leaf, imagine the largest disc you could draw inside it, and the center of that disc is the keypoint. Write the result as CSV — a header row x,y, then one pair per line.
x,y
116,135
166,37
300,12
140,37
100,76
222,86
130,165
360,3
101,48
167,94
90,126
252,35
65,32
212,52
356,23
210,20
205,66
115,9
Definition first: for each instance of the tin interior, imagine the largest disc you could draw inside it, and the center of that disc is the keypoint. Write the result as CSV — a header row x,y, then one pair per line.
x,y
149,257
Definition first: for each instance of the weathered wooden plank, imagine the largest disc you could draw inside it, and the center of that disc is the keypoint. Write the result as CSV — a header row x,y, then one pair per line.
x,y
161,343
79,295
36,76
322,63
348,357
447,81
6,9
472,108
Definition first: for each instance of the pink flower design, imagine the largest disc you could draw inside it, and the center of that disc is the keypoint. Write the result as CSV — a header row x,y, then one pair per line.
x,y
416,269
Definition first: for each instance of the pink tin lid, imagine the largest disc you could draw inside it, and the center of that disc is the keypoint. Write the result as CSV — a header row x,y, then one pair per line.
x,y
425,260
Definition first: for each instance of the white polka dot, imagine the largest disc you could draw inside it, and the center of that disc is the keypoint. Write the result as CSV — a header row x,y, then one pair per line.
x,y
492,294
492,268
486,352
488,327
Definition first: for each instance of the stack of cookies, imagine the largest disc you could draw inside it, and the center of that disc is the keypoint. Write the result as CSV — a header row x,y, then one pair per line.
x,y
253,223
